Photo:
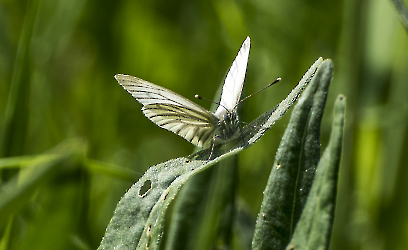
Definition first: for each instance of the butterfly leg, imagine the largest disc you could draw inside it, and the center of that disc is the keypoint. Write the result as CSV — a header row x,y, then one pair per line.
x,y
212,146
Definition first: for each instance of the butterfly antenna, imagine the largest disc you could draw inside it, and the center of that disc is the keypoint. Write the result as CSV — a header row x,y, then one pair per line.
x,y
277,80
202,98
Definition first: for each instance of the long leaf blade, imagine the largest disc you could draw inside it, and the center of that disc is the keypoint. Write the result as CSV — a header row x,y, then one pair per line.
x,y
314,228
293,170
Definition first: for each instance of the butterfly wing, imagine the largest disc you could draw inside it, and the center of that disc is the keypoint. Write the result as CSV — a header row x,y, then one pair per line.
x,y
171,111
231,91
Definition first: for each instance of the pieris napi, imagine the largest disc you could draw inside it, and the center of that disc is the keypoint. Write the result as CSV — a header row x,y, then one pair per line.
x,y
187,119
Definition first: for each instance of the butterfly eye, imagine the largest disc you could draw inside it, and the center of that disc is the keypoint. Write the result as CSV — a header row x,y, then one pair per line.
x,y
227,118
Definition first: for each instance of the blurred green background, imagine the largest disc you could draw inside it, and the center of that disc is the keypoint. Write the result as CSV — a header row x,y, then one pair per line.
x,y
58,97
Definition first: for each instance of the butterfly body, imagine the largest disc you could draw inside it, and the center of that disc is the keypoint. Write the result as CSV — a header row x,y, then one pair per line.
x,y
187,119
228,128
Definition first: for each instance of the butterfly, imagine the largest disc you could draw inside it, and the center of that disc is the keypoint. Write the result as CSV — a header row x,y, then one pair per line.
x,y
187,119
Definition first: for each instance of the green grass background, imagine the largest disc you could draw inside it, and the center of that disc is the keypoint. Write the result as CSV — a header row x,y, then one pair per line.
x,y
58,59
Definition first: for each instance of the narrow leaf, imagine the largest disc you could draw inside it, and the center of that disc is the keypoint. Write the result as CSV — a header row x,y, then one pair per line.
x,y
293,170
314,228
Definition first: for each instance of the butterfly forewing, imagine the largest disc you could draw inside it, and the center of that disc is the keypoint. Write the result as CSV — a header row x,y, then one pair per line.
x,y
172,111
231,91
149,93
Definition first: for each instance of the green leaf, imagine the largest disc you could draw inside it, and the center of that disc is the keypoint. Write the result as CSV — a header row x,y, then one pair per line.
x,y
314,228
204,209
139,217
294,168
138,220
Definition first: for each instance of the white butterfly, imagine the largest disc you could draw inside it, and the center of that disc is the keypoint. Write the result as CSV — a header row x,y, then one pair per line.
x,y
197,125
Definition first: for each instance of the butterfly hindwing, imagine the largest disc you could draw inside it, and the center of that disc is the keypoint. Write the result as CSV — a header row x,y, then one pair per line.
x,y
196,127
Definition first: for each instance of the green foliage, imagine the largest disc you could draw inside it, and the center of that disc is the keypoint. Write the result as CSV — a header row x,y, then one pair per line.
x,y
15,193
57,62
